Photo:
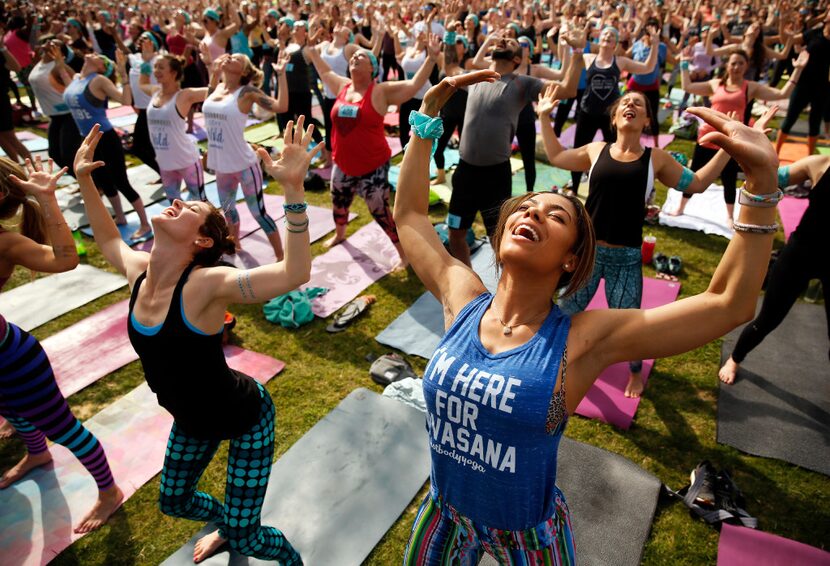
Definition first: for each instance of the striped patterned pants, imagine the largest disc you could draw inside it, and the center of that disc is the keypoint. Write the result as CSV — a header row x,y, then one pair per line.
x,y
32,402
443,537
249,467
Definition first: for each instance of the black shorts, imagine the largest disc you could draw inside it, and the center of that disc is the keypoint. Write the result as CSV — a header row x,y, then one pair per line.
x,y
478,188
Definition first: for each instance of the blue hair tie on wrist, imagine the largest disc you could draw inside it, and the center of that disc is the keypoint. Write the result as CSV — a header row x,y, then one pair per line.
x,y
784,176
684,65
426,127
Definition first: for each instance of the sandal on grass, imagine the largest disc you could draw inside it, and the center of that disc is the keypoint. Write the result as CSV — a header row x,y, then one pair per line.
x,y
666,277
390,368
350,312
661,263
675,265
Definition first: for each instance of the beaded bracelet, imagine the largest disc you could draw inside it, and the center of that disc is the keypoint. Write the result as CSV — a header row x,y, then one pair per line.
x,y
298,231
684,65
426,127
762,201
295,207
755,228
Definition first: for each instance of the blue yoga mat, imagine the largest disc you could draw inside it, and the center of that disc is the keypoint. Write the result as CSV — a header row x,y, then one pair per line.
x,y
419,329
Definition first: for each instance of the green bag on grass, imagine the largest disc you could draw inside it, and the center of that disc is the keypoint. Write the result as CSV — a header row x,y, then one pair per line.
x,y
292,310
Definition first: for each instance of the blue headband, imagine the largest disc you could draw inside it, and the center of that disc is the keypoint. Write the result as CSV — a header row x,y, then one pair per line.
x,y
152,38
109,68
212,14
472,17
615,30
374,60
107,15
74,22
186,16
525,41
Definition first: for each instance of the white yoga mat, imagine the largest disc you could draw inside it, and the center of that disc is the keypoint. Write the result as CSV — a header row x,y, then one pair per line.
x,y
705,212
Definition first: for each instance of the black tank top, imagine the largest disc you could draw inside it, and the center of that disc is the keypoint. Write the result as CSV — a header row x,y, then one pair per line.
x,y
187,371
601,88
814,227
296,74
617,194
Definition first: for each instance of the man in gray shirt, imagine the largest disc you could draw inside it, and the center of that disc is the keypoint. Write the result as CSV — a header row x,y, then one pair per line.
x,y
482,181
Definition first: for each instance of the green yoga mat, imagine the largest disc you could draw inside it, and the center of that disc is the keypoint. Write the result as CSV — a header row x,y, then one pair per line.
x,y
824,150
547,177
262,132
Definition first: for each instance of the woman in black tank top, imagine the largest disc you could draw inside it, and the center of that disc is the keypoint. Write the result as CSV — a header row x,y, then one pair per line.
x,y
179,297
602,88
621,183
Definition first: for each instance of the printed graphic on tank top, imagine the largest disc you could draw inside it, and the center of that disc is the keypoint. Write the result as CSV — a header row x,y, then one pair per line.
x,y
174,148
228,152
487,420
87,110
601,87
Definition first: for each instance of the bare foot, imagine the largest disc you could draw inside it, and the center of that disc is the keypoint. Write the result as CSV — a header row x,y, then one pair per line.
x,y
333,241
729,370
635,385
730,223
675,212
23,467
6,430
108,501
400,266
440,179
142,232
121,221
207,546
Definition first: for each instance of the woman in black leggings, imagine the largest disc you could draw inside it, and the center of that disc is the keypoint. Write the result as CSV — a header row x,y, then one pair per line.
x,y
798,263
453,111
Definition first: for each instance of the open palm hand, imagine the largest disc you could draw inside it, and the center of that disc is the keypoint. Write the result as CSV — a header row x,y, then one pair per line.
x,y
292,166
40,181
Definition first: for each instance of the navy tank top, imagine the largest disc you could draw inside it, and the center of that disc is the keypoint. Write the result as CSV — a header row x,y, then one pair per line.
x,y
601,88
187,371
493,452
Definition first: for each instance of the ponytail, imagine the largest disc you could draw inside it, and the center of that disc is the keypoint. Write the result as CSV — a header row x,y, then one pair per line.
x,y
33,224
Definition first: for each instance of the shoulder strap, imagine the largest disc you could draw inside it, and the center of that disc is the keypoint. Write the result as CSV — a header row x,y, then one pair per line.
x,y
136,285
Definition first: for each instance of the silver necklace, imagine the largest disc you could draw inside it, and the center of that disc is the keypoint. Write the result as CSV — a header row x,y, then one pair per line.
x,y
507,329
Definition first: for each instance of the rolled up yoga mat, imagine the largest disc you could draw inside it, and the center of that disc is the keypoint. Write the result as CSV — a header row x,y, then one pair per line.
x,y
779,405
341,486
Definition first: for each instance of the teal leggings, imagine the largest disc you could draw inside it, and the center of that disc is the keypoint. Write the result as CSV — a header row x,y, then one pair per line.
x,y
249,466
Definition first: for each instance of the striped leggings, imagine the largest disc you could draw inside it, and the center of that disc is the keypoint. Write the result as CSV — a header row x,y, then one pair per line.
x,y
249,467
194,181
32,402
622,269
442,537
251,181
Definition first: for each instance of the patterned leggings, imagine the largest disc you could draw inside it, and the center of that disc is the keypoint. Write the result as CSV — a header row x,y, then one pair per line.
x,y
249,466
251,181
441,536
194,181
373,187
623,273
32,402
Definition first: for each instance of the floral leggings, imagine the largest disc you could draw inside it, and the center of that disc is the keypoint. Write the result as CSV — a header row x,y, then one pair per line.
x,y
373,187
194,181
250,180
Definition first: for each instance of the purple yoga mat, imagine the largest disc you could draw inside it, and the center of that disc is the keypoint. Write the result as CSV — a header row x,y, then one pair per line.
x,y
606,400
120,111
740,546
350,267
567,138
791,210
38,513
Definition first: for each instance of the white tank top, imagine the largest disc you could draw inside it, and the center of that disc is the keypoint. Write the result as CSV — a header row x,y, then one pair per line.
x,y
50,99
410,66
337,62
140,99
228,152
174,148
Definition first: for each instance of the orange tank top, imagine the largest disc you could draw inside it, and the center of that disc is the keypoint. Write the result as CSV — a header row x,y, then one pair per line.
x,y
726,102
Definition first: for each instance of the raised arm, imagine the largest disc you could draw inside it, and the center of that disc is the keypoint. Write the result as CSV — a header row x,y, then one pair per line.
x,y
268,281
811,167
702,88
251,94
647,66
59,253
123,258
672,174
453,283
398,92
602,337
102,87
576,159
767,92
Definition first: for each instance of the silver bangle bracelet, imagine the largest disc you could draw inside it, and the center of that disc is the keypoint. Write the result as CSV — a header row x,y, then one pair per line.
x,y
755,228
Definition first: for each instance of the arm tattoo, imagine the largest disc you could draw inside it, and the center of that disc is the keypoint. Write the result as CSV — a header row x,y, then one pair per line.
x,y
65,251
243,281
266,102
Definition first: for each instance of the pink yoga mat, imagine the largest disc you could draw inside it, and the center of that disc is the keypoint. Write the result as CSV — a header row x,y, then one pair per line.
x,y
791,210
567,138
120,111
606,400
392,119
394,145
740,546
350,267
37,514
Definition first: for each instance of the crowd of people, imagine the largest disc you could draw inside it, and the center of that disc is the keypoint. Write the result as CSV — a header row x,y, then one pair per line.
x,y
477,73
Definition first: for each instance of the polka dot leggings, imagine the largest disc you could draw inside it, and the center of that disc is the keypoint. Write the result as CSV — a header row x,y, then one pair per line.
x,y
249,466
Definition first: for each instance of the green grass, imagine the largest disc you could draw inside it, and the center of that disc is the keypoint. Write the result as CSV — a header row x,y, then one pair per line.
x,y
674,429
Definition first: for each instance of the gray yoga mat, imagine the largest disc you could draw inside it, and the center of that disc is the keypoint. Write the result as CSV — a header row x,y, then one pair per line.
x,y
32,304
419,328
612,503
779,405
339,488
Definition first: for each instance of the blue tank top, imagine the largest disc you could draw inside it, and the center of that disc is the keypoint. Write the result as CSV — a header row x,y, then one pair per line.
x,y
87,110
239,44
493,459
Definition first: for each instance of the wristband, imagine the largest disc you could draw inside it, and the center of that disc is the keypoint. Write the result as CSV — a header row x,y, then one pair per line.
x,y
755,228
761,201
426,127
686,178
784,176
684,65
295,207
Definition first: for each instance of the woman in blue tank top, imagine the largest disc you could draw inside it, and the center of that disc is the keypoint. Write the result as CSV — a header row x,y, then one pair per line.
x,y
180,296
512,367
